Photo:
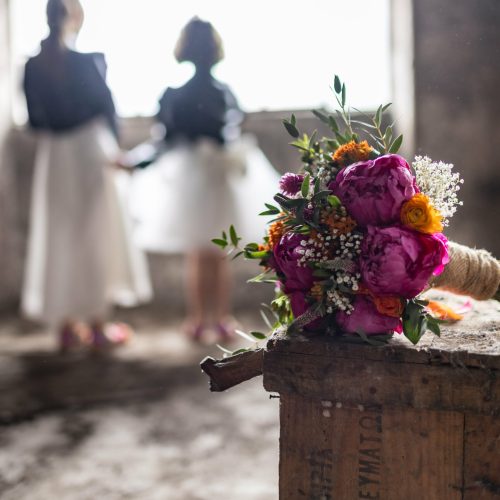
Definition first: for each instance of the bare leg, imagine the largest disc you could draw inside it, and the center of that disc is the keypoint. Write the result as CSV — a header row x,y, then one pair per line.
x,y
225,323
222,288
195,296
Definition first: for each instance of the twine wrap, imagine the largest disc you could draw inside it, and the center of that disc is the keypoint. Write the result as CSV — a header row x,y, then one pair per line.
x,y
470,272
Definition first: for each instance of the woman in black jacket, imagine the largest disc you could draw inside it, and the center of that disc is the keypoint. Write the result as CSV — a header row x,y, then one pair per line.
x,y
80,257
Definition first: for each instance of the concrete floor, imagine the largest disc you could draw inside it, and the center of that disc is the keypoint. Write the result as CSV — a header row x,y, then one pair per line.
x,y
141,424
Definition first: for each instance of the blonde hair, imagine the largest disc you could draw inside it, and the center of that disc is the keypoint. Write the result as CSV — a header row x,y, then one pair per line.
x,y
199,43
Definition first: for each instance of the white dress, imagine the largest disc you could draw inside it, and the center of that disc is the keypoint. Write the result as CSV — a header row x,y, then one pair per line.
x,y
194,192
81,258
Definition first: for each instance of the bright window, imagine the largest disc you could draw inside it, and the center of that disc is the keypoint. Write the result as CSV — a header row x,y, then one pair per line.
x,y
280,54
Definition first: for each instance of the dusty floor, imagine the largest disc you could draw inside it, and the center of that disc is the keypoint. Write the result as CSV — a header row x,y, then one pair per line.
x,y
141,425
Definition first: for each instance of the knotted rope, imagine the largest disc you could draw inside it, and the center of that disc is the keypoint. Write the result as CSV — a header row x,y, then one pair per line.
x,y
470,272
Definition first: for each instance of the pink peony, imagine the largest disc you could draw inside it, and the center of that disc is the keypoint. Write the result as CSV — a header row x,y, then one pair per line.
x,y
398,261
373,191
298,303
366,319
286,256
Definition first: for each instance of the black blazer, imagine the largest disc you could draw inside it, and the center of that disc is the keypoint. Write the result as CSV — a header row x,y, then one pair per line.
x,y
203,107
66,90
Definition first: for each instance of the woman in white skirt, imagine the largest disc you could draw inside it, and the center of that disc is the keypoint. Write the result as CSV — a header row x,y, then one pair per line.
x,y
206,179
80,256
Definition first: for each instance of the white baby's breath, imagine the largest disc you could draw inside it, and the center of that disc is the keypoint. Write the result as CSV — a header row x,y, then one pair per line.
x,y
437,181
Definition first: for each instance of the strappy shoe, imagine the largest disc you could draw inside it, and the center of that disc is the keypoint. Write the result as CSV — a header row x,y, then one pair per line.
x,y
225,331
110,336
194,331
74,337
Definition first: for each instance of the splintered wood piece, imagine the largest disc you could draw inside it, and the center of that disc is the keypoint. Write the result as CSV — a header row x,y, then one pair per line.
x,y
228,372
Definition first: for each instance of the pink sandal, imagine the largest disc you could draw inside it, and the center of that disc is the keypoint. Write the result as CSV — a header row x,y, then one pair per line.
x,y
109,336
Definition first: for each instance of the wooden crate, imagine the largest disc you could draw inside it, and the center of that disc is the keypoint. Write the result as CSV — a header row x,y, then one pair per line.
x,y
393,422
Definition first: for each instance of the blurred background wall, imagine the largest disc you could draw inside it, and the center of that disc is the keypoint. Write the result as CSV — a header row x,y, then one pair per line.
x,y
9,276
445,74
457,95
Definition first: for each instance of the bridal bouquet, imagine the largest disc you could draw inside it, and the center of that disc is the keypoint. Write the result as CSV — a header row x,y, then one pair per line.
x,y
356,237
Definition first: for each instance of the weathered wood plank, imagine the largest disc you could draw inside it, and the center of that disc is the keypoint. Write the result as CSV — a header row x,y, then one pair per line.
x,y
473,342
423,454
330,453
460,347
395,385
482,458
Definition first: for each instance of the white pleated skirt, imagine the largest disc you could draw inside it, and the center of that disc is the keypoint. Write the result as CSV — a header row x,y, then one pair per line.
x,y
81,258
194,192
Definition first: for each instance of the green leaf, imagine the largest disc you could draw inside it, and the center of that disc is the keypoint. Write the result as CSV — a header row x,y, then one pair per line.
x,y
300,145
264,277
334,201
233,235
388,135
321,195
256,255
364,124
378,117
219,242
291,129
271,207
386,106
421,302
304,189
224,350
317,185
396,144
252,247
293,120
237,255
414,321
258,335
433,326
270,212
324,118
333,123
224,235
312,139
343,94
266,319
244,335
337,85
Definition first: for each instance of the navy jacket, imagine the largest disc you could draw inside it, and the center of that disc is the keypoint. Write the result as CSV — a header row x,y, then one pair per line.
x,y
66,90
203,107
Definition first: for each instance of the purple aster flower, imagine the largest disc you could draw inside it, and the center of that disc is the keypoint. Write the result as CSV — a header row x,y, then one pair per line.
x,y
290,184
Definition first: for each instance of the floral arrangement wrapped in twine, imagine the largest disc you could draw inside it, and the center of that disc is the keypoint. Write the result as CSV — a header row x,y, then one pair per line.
x,y
356,237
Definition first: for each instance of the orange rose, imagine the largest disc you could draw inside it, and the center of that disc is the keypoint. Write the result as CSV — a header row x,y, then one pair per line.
x,y
389,305
418,213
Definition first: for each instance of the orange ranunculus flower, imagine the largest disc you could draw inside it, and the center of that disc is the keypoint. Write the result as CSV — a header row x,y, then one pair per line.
x,y
418,213
389,305
352,152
